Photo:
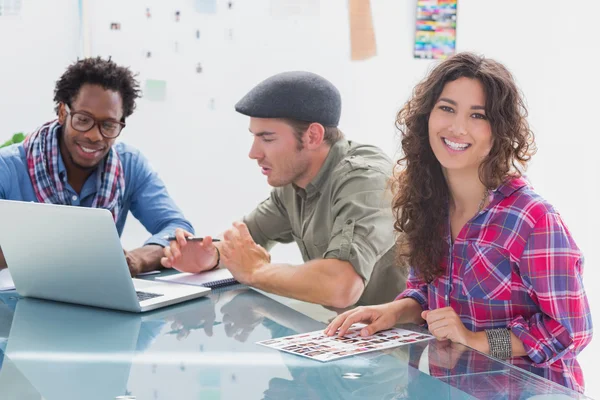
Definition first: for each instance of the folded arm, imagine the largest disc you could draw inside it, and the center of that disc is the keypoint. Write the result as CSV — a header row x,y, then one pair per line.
x,y
551,266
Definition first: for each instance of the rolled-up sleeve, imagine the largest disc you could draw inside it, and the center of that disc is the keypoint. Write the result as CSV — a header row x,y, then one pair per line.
x,y
152,205
552,267
363,228
416,288
269,222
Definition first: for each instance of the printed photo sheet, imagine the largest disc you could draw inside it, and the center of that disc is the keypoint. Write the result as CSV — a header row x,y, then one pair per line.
x,y
317,346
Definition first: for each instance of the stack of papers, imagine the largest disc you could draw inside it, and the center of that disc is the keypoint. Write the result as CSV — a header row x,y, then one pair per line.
x,y
212,279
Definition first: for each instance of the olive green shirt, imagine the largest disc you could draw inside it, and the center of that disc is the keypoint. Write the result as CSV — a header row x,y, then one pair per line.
x,y
344,213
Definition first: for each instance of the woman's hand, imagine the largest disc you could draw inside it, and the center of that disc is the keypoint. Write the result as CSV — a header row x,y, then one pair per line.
x,y
378,318
445,324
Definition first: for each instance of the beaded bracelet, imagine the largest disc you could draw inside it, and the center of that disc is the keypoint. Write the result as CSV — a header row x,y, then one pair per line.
x,y
500,343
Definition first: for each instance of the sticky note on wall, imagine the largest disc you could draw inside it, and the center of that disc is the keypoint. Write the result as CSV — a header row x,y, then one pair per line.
x,y
155,90
206,6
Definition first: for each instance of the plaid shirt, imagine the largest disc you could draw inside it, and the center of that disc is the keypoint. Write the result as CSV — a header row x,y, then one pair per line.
x,y
42,150
515,265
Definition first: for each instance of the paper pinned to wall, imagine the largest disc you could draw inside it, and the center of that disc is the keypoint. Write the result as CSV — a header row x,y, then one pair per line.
x,y
362,34
155,90
206,6
295,8
10,8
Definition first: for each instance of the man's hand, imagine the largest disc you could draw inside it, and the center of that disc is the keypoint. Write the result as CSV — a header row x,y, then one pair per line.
x,y
134,262
187,256
241,255
143,259
201,315
242,314
444,324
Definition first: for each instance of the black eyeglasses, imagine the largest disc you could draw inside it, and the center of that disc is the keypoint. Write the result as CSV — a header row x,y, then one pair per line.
x,y
83,122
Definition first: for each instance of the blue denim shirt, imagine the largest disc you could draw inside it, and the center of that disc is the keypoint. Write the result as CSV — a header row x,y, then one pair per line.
x,y
145,194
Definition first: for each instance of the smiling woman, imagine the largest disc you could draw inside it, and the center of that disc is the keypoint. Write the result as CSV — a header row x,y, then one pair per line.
x,y
456,125
493,266
456,122
496,267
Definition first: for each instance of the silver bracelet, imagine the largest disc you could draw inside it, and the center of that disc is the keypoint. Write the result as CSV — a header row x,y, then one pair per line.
x,y
500,343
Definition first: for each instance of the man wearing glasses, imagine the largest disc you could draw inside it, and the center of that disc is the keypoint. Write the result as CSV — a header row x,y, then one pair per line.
x,y
74,159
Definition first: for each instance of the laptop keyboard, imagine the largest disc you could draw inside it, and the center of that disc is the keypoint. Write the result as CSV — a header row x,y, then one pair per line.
x,y
146,296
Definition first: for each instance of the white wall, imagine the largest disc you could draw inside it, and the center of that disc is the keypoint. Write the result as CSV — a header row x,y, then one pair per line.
x,y
202,153
34,51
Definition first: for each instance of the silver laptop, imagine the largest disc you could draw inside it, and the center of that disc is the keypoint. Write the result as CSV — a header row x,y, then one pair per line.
x,y
74,254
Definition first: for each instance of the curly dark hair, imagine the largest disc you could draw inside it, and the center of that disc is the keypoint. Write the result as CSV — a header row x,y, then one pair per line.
x,y
421,196
98,71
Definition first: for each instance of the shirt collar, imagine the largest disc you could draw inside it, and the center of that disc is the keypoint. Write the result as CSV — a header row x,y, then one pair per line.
x,y
62,170
503,191
511,186
336,153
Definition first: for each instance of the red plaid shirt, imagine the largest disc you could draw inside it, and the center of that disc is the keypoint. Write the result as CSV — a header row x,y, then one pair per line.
x,y
515,265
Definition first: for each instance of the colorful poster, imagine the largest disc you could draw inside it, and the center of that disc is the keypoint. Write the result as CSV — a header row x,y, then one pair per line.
x,y
315,345
435,35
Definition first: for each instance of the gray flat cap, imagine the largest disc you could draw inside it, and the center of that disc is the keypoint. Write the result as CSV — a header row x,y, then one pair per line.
x,y
298,95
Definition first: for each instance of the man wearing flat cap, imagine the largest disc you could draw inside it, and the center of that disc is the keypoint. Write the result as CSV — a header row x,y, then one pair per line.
x,y
330,195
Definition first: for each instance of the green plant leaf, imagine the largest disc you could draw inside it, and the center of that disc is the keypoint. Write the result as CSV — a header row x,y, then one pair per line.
x,y
16,138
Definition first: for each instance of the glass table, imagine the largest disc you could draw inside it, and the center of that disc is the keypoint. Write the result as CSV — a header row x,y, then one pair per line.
x,y
206,349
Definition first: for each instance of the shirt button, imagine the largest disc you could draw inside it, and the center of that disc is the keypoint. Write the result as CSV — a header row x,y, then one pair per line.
x,y
74,198
349,222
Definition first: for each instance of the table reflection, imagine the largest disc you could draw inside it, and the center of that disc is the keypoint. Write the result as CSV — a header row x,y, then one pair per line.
x,y
206,349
